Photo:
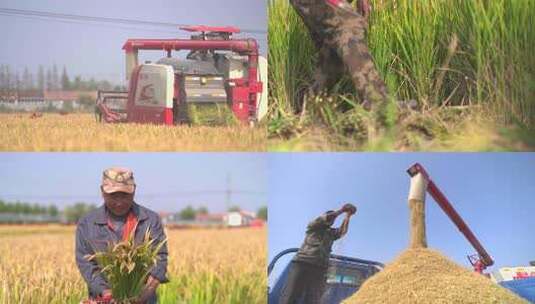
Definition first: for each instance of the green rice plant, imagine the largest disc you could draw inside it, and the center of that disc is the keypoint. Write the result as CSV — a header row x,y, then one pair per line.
x,y
127,265
440,53
211,114
291,57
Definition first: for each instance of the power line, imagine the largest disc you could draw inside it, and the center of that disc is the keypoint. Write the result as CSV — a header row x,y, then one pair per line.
x,y
52,15
92,23
258,36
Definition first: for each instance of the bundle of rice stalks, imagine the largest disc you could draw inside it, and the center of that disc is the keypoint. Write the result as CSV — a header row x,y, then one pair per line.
x,y
426,276
126,266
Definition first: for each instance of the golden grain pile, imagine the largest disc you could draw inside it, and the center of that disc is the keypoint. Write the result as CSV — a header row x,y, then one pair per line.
x,y
81,132
422,276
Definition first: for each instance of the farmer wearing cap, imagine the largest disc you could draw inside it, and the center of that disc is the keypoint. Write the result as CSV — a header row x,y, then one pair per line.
x,y
339,35
116,220
306,278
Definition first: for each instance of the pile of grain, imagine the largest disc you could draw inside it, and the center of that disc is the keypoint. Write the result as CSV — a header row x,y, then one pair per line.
x,y
425,276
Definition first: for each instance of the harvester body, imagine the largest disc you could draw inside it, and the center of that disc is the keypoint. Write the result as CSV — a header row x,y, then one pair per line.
x,y
217,70
344,277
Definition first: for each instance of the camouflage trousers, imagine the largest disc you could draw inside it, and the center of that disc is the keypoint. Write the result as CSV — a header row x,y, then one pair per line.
x,y
340,38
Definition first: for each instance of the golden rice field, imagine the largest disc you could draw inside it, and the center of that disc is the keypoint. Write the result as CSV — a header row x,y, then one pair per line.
x,y
81,132
205,266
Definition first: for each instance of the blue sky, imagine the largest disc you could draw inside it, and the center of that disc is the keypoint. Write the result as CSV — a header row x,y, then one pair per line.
x,y
94,50
166,181
493,192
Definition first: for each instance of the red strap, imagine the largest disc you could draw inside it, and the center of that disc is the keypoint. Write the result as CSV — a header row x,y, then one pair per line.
x,y
129,227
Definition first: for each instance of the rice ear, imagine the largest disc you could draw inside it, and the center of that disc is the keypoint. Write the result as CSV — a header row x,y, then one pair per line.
x,y
127,265
159,246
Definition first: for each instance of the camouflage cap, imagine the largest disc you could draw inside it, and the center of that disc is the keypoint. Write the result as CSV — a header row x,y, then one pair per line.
x,y
118,179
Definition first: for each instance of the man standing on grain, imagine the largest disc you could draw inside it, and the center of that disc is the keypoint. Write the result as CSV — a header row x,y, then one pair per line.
x,y
339,34
113,222
307,275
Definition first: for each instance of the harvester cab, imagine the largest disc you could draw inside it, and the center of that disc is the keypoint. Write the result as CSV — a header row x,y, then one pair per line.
x,y
345,275
217,71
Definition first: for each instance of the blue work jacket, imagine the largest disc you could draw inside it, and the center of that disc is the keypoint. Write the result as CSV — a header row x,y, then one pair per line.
x,y
94,234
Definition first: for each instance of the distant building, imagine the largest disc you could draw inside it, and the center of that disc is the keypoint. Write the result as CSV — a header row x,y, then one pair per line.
x,y
225,219
165,216
239,218
35,100
210,218
68,96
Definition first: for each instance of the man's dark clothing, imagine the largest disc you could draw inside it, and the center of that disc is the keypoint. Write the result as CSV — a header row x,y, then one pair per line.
x,y
93,234
318,243
309,266
118,223
305,281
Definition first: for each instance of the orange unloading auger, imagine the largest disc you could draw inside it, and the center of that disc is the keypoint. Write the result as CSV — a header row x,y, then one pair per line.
x,y
482,259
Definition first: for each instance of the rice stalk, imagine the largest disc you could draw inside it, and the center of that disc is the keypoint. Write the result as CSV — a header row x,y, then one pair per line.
x,y
126,266
438,53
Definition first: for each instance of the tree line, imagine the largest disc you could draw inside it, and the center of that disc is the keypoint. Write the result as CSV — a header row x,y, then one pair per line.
x,y
74,212
48,79
70,214
27,208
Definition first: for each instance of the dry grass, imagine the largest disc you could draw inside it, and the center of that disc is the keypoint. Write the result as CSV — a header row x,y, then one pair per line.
x,y
205,266
80,132
465,133
421,276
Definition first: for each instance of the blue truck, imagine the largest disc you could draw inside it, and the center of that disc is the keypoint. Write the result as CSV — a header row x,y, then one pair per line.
x,y
345,275
524,288
519,279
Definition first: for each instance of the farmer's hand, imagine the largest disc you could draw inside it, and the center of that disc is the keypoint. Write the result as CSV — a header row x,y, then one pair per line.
x,y
349,208
106,297
149,290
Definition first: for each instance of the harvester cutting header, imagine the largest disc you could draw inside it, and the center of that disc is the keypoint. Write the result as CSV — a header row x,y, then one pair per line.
x,y
217,70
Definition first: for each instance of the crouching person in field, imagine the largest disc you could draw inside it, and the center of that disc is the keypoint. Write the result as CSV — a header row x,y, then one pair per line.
x,y
116,220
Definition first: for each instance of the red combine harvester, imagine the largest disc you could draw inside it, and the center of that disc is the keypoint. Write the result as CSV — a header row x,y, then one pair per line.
x,y
482,259
217,70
